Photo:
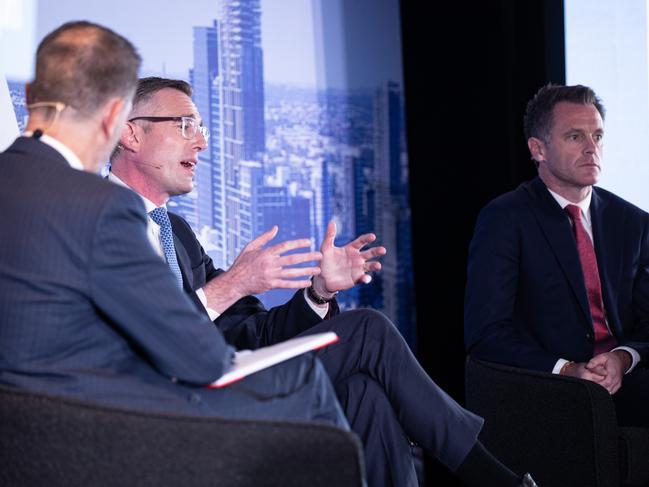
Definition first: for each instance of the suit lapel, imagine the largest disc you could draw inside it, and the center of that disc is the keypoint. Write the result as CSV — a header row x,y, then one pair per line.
x,y
555,225
183,263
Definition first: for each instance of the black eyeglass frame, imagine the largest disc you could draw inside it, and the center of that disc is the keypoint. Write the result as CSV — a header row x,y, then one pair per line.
x,y
183,119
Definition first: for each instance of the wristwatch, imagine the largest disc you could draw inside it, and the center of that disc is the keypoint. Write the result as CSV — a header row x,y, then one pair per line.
x,y
316,298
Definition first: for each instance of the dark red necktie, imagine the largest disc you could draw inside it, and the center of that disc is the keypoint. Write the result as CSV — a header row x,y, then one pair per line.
x,y
604,341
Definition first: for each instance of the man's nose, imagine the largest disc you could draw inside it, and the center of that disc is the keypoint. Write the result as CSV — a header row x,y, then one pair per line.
x,y
591,144
200,142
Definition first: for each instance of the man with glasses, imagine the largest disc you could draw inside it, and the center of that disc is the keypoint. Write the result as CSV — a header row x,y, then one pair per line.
x,y
388,398
87,308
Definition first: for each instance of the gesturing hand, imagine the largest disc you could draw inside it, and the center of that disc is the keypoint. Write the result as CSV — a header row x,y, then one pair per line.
x,y
257,269
344,267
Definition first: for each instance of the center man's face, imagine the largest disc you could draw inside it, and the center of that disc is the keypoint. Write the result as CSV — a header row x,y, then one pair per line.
x,y
168,158
573,153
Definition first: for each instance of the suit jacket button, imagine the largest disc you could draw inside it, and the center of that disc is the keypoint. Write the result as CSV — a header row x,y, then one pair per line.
x,y
194,398
589,336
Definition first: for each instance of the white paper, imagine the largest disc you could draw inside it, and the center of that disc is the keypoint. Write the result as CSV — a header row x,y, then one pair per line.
x,y
253,361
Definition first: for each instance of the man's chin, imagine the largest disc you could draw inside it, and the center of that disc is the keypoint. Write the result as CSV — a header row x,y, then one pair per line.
x,y
184,190
590,178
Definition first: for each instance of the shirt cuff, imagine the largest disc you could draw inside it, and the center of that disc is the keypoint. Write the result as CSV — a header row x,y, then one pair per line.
x,y
635,356
320,310
203,299
558,366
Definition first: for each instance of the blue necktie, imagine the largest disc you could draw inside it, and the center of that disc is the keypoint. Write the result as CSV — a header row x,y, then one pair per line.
x,y
159,215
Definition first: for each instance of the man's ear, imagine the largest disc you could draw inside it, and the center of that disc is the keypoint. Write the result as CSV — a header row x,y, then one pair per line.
x,y
129,139
114,120
537,149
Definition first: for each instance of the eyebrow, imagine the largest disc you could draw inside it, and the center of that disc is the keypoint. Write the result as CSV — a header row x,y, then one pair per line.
x,y
581,131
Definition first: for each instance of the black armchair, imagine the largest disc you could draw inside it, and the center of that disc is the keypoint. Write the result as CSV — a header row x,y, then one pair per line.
x,y
52,441
562,429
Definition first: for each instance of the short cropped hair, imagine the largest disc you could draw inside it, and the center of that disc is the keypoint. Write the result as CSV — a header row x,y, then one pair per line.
x,y
538,121
147,87
83,65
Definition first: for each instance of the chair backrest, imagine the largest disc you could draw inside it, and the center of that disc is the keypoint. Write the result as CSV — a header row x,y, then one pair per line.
x,y
52,441
563,430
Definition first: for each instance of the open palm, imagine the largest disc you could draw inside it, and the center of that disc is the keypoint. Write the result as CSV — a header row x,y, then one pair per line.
x,y
344,267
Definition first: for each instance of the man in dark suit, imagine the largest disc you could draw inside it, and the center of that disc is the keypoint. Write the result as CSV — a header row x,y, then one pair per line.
x,y
386,395
87,309
558,273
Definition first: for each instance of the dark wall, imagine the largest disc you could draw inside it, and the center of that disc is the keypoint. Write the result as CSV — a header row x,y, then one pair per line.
x,y
469,69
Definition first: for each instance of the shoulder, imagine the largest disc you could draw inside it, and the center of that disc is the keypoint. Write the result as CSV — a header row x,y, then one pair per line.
x,y
509,205
95,191
51,176
607,200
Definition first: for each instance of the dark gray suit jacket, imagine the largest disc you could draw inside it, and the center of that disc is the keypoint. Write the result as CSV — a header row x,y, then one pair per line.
x,y
87,309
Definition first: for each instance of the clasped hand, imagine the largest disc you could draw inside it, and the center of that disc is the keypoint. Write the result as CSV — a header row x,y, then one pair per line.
x,y
607,369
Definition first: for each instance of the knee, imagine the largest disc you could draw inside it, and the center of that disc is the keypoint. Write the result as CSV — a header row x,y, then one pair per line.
x,y
373,320
360,389
297,371
359,384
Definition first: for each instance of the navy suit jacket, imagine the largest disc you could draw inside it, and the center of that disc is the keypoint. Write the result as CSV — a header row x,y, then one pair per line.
x,y
246,324
87,309
526,302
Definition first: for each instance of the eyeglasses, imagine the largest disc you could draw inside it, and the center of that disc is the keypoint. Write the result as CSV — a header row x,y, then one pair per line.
x,y
189,126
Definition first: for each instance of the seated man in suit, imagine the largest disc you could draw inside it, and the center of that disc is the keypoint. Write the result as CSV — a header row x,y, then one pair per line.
x,y
558,272
87,309
386,395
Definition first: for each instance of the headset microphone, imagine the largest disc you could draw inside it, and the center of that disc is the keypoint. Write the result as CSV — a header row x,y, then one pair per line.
x,y
156,166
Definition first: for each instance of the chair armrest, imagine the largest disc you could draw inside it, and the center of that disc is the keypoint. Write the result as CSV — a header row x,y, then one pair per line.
x,y
562,429
73,443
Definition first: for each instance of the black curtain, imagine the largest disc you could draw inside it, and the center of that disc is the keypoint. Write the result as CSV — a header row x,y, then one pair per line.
x,y
469,70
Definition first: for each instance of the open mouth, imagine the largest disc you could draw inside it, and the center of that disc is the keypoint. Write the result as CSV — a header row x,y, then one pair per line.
x,y
188,164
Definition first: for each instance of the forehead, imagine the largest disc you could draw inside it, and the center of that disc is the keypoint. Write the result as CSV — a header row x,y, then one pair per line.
x,y
171,102
566,115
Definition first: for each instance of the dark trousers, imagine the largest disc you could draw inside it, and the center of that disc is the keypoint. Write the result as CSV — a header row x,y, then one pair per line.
x,y
388,458
388,398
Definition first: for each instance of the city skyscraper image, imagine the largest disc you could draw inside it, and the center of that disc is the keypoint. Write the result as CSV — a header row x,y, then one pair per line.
x,y
288,146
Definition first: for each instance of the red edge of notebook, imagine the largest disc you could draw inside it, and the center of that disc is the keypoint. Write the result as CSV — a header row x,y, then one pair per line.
x,y
239,377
